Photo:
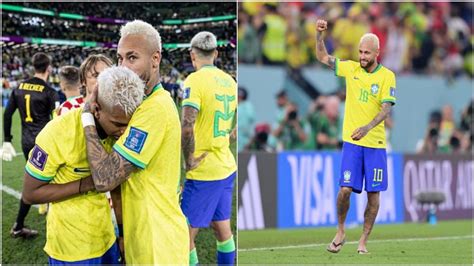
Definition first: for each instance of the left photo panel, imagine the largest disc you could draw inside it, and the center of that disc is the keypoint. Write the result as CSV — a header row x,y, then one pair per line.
x,y
119,133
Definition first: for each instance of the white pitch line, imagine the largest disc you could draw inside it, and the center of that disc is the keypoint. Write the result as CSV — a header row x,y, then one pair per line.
x,y
356,242
14,193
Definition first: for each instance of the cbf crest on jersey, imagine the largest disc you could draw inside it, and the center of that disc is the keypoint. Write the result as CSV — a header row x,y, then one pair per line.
x,y
136,139
374,88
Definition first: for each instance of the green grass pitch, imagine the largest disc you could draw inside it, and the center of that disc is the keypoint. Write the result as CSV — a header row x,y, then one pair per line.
x,y
19,251
448,242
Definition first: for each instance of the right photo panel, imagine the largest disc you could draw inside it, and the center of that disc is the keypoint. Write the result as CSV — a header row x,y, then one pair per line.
x,y
355,133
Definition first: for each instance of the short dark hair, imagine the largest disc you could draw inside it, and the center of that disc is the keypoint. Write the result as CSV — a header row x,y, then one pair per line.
x,y
281,93
41,62
203,53
243,93
70,75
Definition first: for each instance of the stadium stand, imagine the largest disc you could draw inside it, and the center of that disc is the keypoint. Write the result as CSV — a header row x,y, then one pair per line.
x,y
46,28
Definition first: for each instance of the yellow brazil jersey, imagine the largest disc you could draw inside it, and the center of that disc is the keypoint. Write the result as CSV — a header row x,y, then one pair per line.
x,y
365,93
80,227
213,93
155,229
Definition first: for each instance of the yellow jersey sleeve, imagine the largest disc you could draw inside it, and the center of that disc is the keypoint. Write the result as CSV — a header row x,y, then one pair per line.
x,y
192,94
388,89
344,67
142,137
45,158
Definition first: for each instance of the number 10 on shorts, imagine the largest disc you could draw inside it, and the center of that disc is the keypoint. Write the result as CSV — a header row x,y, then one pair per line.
x,y
378,174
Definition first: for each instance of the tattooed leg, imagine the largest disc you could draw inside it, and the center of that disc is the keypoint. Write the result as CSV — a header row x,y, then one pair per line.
x,y
370,214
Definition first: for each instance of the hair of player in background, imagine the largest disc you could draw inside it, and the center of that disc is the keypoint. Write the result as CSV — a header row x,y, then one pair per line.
x,y
204,44
70,76
88,65
41,62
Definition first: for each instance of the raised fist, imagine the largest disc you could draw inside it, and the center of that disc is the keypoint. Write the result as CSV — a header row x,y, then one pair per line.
x,y
321,25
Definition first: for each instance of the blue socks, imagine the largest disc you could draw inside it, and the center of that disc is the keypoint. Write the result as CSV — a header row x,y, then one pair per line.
x,y
226,252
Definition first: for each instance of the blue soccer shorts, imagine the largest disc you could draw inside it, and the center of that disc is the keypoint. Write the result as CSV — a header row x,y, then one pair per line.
x,y
363,165
206,201
111,257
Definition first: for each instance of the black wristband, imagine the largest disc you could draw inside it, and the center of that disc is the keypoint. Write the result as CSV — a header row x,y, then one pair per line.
x,y
120,229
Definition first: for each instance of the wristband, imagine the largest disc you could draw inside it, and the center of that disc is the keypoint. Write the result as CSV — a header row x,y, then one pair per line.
x,y
87,120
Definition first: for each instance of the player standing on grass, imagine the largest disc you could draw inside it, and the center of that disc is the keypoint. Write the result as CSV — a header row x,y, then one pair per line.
x,y
145,159
209,105
370,94
36,101
79,224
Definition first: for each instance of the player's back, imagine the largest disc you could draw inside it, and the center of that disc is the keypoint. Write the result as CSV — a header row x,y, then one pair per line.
x,y
214,93
35,100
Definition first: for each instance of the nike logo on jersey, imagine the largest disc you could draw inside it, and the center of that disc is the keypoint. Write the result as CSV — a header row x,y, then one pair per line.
x,y
356,78
376,185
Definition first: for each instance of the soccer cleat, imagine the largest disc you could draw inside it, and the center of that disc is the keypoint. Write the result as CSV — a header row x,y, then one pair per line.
x,y
24,232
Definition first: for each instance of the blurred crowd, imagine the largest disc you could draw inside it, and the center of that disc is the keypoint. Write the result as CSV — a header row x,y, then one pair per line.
x,y
320,127
432,38
155,13
444,135
176,62
42,26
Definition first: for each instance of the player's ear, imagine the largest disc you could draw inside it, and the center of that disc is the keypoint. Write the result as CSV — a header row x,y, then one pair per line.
x,y
96,111
156,58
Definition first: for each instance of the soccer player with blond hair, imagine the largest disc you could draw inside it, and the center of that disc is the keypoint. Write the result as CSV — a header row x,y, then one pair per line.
x,y
145,160
370,95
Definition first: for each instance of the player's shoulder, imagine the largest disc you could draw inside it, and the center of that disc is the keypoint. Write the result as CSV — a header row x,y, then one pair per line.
x,y
347,63
227,75
387,72
191,77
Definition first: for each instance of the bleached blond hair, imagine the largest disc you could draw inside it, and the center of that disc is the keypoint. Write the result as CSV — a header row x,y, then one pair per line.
x,y
141,27
204,40
372,38
204,44
120,86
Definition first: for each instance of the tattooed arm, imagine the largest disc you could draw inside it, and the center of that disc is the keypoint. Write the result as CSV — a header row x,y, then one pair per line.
x,y
108,169
381,116
37,192
321,52
187,138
